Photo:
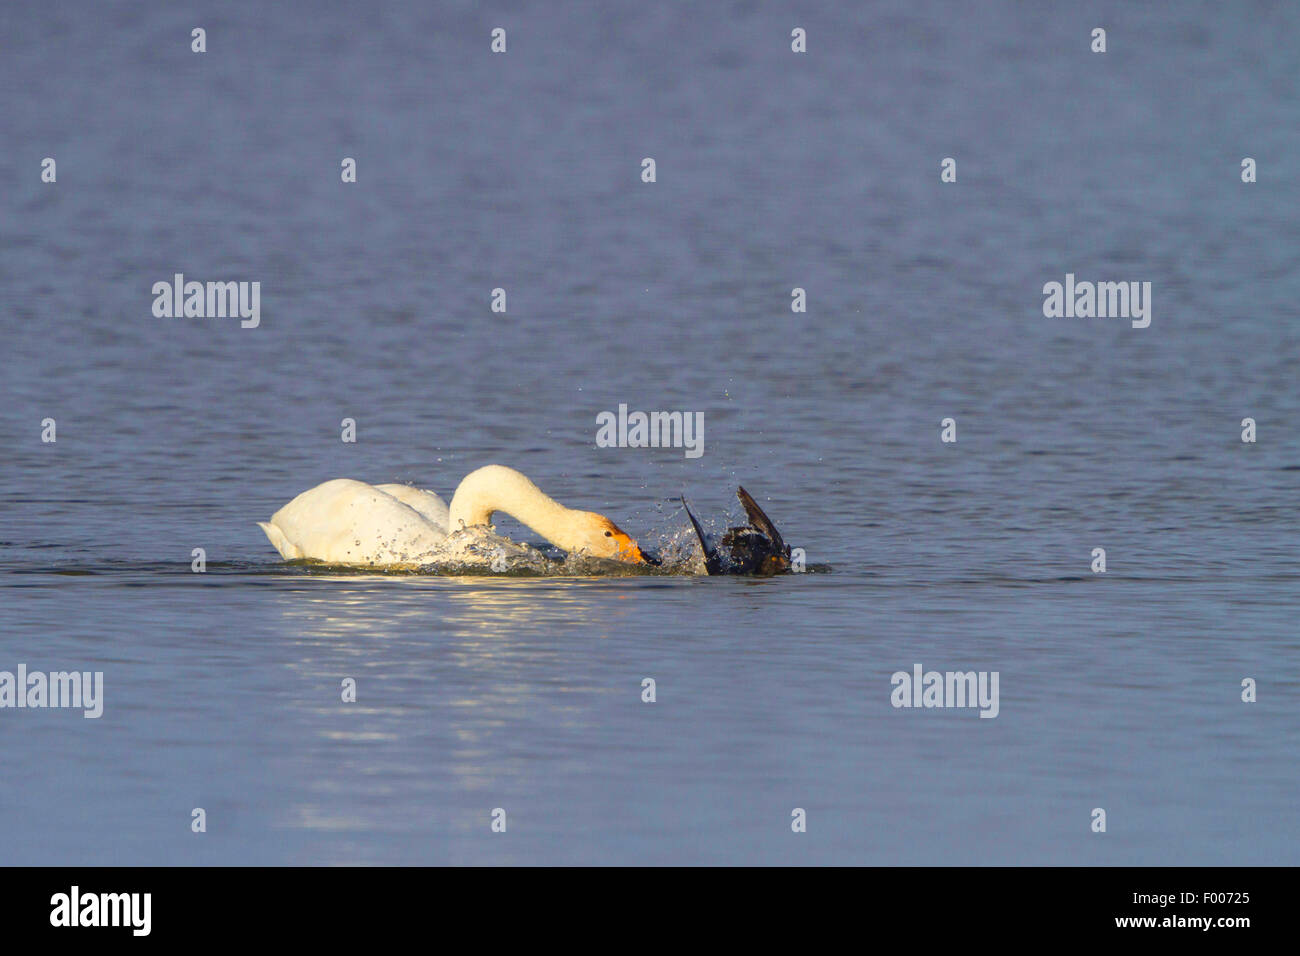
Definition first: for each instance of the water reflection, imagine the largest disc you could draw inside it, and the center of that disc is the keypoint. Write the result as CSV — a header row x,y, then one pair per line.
x,y
452,676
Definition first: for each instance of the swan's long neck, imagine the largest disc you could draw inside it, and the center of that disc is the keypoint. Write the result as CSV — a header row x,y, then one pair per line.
x,y
495,488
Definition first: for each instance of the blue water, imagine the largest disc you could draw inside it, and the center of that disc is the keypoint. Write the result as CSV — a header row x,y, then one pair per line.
x,y
774,170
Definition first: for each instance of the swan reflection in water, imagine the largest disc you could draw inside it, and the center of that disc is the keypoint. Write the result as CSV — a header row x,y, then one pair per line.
x,y
483,658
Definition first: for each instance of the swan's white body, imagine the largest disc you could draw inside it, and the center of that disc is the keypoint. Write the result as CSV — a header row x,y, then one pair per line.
x,y
350,522
353,523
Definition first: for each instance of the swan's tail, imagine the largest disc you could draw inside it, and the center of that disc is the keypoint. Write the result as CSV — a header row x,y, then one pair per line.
x,y
287,550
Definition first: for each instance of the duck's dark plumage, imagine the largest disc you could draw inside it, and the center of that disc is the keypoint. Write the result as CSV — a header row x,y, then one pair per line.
x,y
757,548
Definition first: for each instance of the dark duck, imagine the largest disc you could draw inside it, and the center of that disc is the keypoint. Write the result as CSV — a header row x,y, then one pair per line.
x,y
756,549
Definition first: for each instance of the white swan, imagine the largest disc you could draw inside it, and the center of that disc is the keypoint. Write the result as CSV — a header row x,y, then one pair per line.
x,y
350,522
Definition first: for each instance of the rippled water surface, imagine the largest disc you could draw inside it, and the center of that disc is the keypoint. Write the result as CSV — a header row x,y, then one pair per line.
x,y
222,690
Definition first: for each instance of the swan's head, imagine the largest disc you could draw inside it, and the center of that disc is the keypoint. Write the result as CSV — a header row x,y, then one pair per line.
x,y
598,536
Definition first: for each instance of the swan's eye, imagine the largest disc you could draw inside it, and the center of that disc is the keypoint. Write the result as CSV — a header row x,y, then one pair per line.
x,y
609,534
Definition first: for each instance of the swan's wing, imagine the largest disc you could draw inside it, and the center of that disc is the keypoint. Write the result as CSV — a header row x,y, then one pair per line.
x,y
425,502
350,522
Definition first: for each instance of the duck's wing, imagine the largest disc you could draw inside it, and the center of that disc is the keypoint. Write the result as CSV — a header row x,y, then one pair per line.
x,y
712,562
759,520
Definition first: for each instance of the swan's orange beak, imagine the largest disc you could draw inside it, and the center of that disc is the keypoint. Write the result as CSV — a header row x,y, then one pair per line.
x,y
627,549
